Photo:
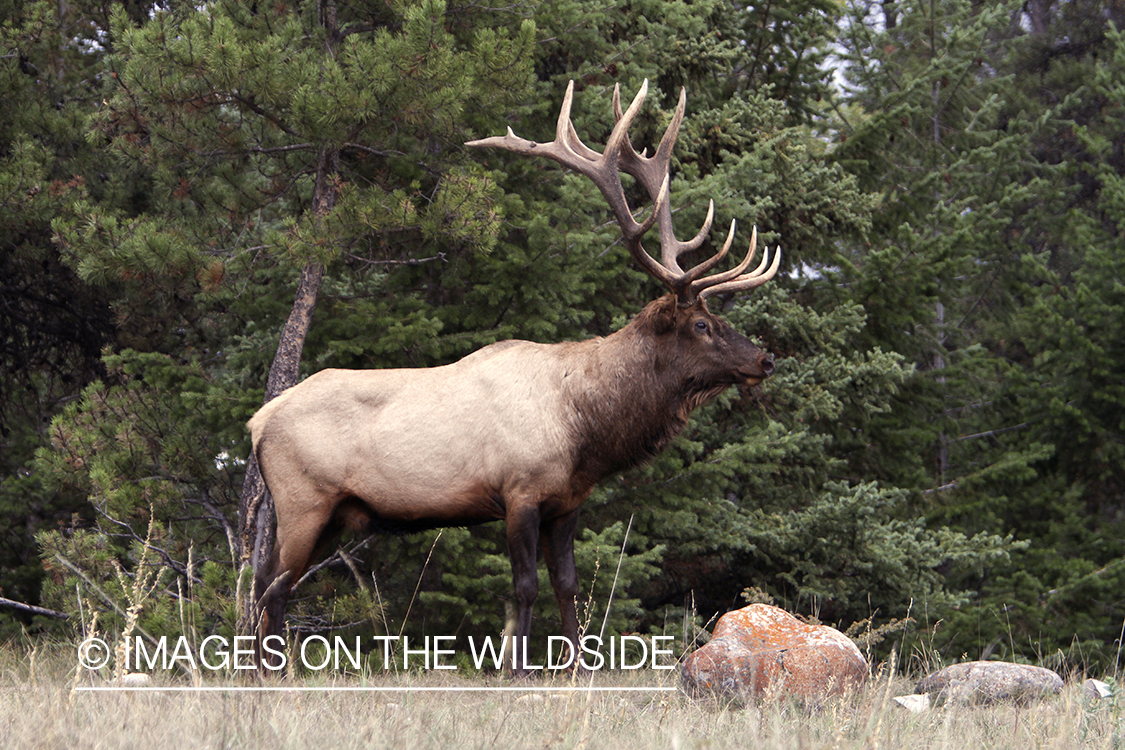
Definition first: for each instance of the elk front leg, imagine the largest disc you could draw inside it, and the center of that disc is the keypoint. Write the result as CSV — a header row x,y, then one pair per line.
x,y
523,549
557,539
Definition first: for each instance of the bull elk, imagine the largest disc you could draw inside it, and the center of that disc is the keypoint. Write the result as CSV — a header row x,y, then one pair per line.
x,y
517,431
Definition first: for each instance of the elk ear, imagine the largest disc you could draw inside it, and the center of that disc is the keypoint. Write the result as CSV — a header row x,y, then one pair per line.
x,y
664,316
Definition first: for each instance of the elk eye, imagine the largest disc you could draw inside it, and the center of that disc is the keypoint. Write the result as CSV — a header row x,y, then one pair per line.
x,y
702,326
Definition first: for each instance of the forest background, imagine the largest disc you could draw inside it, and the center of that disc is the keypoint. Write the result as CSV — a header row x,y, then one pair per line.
x,y
941,449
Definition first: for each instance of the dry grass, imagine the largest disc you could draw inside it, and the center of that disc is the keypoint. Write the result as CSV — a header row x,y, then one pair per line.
x,y
39,708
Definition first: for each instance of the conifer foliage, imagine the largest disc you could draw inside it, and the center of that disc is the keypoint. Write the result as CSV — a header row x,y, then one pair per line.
x,y
200,205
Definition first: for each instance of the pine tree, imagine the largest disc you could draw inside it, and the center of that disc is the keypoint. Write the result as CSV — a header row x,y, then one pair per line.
x,y
278,146
52,325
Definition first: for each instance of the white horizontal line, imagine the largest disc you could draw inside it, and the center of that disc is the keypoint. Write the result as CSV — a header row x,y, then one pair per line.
x,y
315,689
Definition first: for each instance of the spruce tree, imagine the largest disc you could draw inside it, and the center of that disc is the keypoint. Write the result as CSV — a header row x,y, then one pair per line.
x,y
1060,491
751,468
975,123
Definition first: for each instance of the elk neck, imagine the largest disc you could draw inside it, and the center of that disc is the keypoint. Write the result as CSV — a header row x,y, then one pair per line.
x,y
635,393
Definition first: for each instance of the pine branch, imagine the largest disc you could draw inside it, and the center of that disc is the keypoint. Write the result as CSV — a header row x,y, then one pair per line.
x,y
32,609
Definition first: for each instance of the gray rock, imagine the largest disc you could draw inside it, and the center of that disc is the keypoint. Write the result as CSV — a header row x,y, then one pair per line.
x,y
984,682
915,704
1096,689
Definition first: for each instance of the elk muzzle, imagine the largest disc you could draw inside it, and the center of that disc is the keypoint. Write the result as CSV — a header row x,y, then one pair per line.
x,y
761,368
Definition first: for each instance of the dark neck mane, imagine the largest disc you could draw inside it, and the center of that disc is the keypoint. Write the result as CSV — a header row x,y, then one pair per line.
x,y
634,402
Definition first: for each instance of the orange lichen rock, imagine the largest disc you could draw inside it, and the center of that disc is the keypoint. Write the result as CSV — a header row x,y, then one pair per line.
x,y
761,651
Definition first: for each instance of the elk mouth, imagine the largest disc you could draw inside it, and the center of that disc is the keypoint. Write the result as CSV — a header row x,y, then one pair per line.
x,y
763,369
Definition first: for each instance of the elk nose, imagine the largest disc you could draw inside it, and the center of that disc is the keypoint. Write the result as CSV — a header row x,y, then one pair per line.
x,y
767,365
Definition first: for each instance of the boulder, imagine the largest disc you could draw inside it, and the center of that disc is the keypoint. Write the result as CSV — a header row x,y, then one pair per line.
x,y
1096,689
915,704
984,682
761,651
134,679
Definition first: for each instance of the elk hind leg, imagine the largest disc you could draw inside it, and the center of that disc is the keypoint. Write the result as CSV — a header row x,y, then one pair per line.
x,y
557,540
297,540
271,594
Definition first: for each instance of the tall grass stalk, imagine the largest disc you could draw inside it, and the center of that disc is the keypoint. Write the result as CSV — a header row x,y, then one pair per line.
x,y
616,575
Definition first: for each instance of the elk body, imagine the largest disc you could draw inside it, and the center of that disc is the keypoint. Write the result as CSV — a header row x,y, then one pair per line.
x,y
517,431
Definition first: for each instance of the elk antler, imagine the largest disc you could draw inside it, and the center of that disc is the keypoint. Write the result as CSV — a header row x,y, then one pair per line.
x,y
652,173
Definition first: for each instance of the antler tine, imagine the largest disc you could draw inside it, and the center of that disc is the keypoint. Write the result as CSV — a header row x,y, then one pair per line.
x,y
671,249
566,135
618,144
650,170
746,281
734,280
567,148
733,273
672,132
698,270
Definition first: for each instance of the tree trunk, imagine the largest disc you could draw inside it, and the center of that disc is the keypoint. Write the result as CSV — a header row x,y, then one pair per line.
x,y
255,506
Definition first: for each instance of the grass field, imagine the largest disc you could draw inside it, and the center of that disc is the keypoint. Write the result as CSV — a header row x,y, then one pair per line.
x,y
40,707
